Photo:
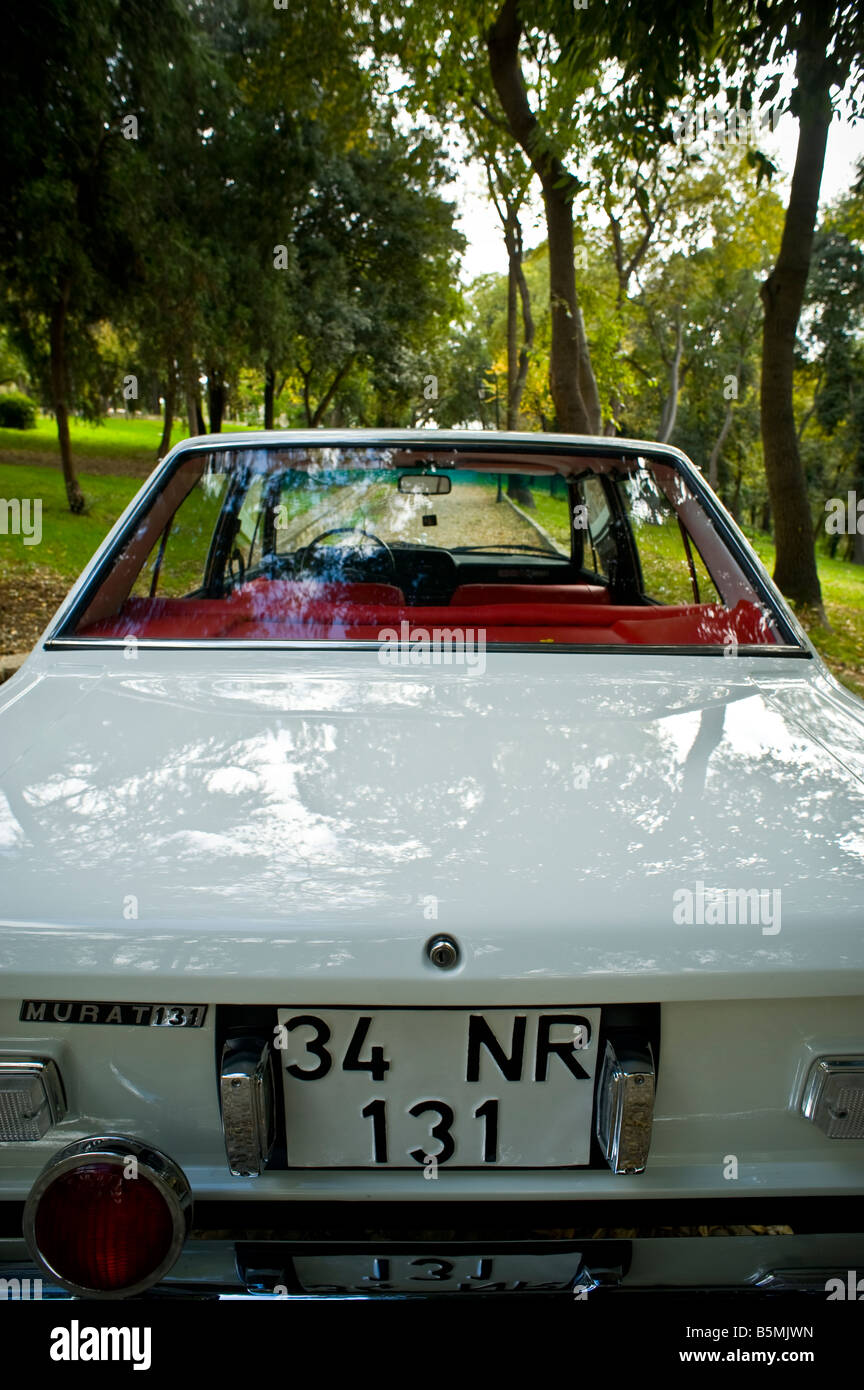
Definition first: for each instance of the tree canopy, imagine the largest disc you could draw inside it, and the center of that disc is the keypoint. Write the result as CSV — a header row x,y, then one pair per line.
x,y
245,209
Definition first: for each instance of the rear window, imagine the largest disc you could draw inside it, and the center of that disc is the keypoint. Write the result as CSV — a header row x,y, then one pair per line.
x,y
375,546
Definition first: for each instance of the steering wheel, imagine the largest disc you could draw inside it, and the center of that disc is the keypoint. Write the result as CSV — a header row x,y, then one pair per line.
x,y
346,568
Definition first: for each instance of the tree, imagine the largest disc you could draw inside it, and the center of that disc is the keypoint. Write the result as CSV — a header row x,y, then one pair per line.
x,y
182,191
299,96
477,63
572,382
744,47
832,345
827,42
76,80
700,302
508,186
375,247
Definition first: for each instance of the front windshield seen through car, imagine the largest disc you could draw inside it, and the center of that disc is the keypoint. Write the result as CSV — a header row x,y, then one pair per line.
x,y
469,516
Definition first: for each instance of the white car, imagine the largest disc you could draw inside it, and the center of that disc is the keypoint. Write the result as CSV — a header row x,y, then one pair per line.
x,y
416,832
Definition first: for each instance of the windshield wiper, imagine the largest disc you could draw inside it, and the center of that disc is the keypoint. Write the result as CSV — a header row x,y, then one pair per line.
x,y
531,549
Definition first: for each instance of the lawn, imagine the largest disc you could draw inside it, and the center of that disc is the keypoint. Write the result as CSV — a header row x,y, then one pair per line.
x,y
68,541
843,594
117,445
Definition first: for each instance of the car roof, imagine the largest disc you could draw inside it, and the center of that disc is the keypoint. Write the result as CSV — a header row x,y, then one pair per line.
x,y
610,444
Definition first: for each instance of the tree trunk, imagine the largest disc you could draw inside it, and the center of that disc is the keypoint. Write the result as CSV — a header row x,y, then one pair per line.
x,y
59,394
571,409
168,419
215,399
519,489
736,497
193,397
669,413
318,414
571,378
269,397
512,323
714,461
527,340
782,293
858,538
587,379
518,359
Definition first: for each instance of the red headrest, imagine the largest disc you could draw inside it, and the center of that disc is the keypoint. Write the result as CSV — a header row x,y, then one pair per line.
x,y
298,592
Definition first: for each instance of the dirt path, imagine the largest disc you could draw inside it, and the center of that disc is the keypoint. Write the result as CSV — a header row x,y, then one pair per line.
x,y
114,465
469,515
28,598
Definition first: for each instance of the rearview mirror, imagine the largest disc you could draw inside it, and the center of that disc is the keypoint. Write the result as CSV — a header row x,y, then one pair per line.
x,y
426,484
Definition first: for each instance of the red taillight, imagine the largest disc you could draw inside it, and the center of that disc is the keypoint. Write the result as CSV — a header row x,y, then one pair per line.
x,y
108,1216
101,1230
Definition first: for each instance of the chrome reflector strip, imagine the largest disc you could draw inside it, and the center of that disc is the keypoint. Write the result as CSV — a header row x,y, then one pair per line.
x,y
785,1280
625,1106
834,1096
31,1098
246,1092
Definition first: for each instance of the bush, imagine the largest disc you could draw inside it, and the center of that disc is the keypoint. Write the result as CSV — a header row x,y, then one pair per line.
x,y
17,412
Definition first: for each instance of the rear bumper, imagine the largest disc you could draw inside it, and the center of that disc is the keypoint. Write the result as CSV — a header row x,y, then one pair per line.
x,y
415,1264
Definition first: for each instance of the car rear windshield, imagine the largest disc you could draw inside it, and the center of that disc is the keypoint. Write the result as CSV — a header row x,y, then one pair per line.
x,y
322,544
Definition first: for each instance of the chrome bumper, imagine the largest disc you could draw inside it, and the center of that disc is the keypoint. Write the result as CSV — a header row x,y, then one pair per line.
x,y
213,1269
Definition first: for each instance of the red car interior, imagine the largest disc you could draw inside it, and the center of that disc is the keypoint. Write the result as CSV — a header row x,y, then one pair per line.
x,y
529,593
580,614
296,591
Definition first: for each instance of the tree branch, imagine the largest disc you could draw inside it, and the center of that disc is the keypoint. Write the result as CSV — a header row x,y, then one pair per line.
x,y
333,388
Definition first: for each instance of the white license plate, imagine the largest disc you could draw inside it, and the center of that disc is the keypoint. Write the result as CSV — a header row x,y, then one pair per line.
x,y
425,1088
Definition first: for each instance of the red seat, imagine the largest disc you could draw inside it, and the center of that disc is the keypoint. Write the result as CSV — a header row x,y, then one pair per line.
x,y
705,625
529,593
299,592
297,611
290,631
529,614
578,636
322,632
169,618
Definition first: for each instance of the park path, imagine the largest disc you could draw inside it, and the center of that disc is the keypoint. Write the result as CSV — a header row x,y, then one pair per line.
x,y
469,515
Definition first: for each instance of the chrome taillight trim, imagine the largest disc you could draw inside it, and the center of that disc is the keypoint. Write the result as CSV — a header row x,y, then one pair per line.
x,y
625,1105
247,1094
116,1150
832,1083
44,1070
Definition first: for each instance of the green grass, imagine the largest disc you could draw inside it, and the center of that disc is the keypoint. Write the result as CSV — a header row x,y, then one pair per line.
x,y
68,541
843,596
664,565
116,438
553,514
127,441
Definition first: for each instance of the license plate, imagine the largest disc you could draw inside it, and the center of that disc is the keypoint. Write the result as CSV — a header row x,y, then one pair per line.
x,y
426,1088
437,1274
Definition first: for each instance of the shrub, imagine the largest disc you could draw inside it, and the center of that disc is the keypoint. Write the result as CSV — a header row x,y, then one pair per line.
x,y
17,412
